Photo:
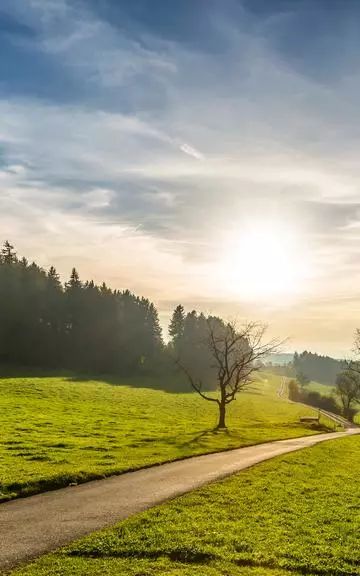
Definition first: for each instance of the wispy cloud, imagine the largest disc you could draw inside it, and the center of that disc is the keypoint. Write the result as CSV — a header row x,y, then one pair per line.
x,y
191,151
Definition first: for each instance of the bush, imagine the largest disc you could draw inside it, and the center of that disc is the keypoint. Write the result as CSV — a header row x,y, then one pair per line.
x,y
297,394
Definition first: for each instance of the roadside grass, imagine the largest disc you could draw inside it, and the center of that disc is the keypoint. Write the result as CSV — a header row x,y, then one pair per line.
x,y
297,514
56,431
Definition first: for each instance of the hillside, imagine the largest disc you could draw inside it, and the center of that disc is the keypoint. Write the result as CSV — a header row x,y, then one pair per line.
x,y
58,430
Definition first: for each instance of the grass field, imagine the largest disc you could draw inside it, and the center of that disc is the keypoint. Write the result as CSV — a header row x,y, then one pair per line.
x,y
295,515
323,389
55,431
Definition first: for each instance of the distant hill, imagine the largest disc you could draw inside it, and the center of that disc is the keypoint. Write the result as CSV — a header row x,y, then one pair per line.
x,y
309,366
279,359
322,369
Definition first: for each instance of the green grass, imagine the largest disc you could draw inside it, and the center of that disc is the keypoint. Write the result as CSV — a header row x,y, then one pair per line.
x,y
55,431
295,515
323,389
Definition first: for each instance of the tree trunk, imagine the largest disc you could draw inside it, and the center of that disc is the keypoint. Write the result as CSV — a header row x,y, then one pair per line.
x,y
349,414
222,407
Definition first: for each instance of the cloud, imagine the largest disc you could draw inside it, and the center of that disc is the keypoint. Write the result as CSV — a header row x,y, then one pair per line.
x,y
191,151
151,139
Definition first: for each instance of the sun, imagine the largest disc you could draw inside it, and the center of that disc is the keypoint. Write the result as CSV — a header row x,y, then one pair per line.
x,y
264,261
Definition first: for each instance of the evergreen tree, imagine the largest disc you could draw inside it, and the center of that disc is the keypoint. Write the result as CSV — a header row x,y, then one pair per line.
x,y
177,324
54,277
79,326
74,281
8,254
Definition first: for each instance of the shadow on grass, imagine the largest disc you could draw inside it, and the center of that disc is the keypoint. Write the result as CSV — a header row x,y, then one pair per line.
x,y
211,433
170,382
182,555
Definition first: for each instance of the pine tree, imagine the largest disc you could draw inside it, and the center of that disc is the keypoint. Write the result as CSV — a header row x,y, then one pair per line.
x,y
54,277
8,254
74,281
177,324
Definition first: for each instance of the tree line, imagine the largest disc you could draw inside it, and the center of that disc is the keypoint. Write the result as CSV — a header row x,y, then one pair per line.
x,y
81,326
77,325
311,366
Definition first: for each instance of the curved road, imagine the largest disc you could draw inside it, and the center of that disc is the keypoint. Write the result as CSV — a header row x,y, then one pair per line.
x,y
37,524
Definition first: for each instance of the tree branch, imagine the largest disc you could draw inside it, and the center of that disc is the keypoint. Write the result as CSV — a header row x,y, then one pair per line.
x,y
196,387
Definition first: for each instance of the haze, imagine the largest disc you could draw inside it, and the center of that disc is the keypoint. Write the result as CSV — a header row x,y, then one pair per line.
x,y
197,152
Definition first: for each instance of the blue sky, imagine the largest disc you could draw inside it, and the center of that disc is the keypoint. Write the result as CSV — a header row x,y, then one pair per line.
x,y
148,142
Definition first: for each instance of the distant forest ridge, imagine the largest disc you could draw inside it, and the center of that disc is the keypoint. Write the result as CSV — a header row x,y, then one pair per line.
x,y
279,359
309,366
323,369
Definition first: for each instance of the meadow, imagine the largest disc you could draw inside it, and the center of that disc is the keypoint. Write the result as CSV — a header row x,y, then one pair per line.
x,y
294,515
57,431
323,389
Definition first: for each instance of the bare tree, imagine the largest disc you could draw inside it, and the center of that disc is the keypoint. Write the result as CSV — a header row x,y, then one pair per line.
x,y
236,354
348,382
348,389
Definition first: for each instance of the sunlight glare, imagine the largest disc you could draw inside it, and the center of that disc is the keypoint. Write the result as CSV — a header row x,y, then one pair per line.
x,y
264,262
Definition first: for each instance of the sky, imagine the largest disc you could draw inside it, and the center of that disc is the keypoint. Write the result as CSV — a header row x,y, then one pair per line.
x,y
203,152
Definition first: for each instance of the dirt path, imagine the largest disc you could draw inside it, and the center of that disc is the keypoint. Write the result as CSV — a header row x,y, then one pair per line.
x,y
35,525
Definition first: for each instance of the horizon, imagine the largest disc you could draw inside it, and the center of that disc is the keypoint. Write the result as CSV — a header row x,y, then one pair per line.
x,y
201,154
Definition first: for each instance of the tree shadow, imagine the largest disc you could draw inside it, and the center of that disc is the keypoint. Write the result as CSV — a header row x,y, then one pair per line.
x,y
170,383
147,381
197,438
210,433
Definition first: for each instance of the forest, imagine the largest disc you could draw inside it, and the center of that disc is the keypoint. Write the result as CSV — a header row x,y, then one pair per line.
x,y
85,327
311,366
